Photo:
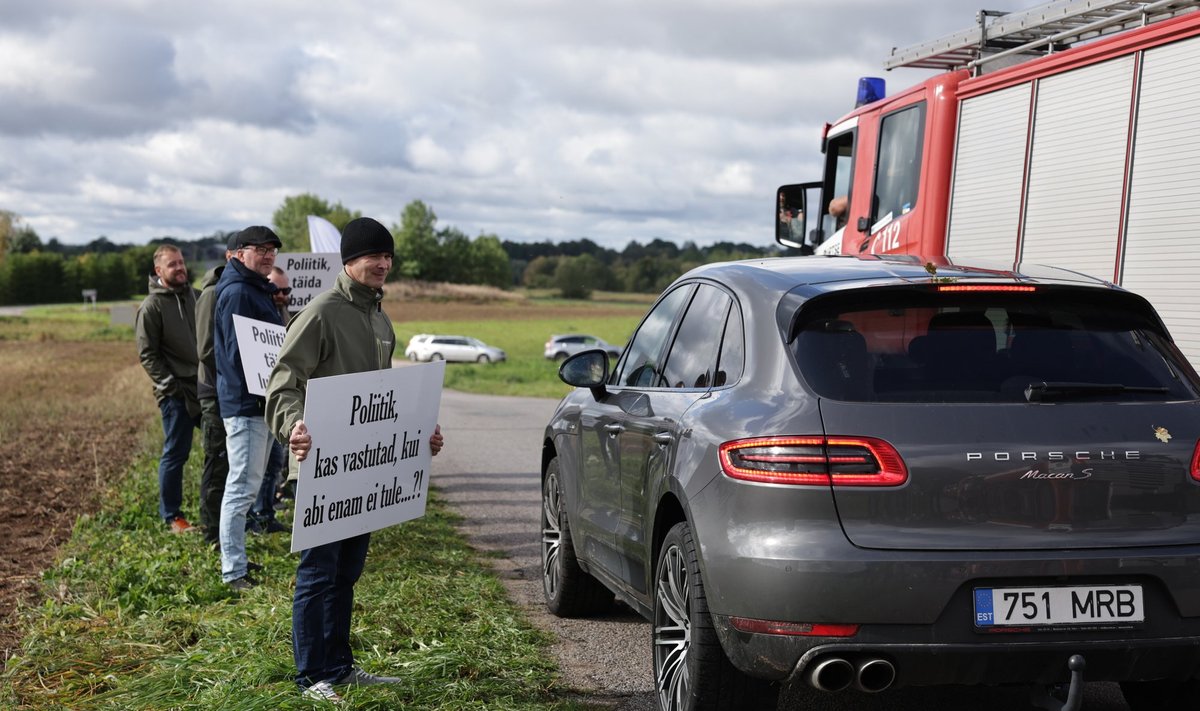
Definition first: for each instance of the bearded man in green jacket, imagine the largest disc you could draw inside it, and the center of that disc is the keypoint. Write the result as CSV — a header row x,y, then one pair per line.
x,y
166,343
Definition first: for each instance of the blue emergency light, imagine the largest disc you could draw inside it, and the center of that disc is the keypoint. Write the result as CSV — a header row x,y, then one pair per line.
x,y
870,89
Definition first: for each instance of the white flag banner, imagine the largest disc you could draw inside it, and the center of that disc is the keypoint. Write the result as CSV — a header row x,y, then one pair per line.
x,y
323,236
258,343
370,461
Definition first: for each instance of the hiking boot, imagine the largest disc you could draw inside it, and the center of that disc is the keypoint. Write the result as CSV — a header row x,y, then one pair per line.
x,y
242,584
322,691
181,525
273,526
358,677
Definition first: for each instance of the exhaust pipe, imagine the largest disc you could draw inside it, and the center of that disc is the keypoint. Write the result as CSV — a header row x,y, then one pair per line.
x,y
831,674
874,675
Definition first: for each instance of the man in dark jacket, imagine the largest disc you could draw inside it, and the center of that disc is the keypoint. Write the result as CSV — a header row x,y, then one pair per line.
x,y
166,342
244,290
343,330
216,462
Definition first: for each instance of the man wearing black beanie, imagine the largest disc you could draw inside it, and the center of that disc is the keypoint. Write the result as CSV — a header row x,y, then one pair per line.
x,y
343,330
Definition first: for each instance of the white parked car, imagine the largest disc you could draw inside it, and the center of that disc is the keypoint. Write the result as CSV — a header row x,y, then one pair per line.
x,y
429,347
562,345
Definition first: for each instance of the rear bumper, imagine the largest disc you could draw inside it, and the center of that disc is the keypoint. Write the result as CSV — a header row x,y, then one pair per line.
x,y
929,662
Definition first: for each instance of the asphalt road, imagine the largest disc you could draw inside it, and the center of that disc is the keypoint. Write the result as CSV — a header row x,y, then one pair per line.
x,y
489,474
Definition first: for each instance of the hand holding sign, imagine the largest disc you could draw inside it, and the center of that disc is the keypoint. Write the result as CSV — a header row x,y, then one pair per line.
x,y
300,441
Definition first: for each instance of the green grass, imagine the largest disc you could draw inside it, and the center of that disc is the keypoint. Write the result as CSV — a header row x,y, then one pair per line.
x,y
137,618
527,371
65,323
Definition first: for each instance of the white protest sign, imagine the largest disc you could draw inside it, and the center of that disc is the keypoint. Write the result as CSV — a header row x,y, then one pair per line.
x,y
258,343
369,463
309,273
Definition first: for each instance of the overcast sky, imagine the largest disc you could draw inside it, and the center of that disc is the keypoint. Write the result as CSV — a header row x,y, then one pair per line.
x,y
528,119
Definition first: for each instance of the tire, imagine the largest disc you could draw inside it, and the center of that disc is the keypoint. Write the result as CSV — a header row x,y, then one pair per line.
x,y
483,358
434,356
1161,694
560,357
569,591
691,671
413,357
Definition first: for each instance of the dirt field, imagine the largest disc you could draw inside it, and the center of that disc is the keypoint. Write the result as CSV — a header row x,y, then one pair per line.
x,y
73,414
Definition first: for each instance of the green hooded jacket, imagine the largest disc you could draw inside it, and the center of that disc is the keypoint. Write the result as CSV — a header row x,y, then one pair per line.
x,y
166,342
343,330
206,304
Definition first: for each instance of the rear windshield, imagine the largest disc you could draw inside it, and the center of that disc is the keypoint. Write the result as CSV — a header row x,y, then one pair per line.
x,y
916,345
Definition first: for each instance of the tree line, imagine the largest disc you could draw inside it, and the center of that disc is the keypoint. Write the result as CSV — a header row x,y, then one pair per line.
x,y
37,272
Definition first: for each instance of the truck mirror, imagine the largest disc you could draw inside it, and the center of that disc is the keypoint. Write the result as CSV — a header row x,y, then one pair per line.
x,y
795,224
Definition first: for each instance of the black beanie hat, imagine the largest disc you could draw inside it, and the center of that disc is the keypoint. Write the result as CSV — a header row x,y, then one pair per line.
x,y
365,236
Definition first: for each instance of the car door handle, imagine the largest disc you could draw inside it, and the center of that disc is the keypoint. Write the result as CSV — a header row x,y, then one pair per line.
x,y
614,429
664,438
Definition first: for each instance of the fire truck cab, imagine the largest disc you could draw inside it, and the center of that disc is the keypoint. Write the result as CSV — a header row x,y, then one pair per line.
x,y
1067,134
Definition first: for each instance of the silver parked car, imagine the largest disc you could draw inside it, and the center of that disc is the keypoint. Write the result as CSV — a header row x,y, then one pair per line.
x,y
562,345
874,473
428,347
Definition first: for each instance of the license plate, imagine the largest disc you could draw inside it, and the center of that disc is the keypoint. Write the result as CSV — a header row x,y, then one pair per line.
x,y
1051,606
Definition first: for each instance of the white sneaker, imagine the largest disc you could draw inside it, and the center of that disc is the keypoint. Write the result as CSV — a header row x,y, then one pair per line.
x,y
322,691
358,677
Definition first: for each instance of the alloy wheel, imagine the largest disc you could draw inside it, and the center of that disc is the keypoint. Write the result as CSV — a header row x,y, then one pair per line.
x,y
551,535
672,630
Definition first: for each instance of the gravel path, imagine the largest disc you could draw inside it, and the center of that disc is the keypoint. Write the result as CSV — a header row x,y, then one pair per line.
x,y
489,474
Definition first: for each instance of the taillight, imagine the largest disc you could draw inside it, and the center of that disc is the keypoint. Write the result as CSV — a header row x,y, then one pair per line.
x,y
814,461
799,629
1196,462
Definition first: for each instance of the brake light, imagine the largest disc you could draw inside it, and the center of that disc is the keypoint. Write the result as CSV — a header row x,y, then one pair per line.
x,y
1196,462
814,461
800,629
987,287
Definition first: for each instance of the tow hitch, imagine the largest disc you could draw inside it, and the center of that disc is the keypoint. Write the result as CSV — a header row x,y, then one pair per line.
x,y
1042,697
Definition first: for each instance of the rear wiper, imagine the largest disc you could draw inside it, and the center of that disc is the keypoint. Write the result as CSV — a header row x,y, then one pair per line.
x,y
1041,392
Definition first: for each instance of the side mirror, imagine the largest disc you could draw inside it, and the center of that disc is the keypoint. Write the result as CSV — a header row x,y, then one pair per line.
x,y
586,369
795,225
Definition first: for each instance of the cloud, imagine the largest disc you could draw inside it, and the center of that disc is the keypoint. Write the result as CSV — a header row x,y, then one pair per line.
x,y
528,119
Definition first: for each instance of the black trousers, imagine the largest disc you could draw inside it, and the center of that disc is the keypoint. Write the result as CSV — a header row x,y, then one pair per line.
x,y
216,469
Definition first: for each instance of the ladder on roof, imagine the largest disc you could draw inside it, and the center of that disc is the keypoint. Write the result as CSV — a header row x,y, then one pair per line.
x,y
1039,30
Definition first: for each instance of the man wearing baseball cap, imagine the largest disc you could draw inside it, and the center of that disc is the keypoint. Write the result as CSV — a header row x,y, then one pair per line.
x,y
244,290
216,462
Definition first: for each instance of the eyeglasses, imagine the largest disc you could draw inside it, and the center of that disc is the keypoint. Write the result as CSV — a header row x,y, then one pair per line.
x,y
262,251
285,290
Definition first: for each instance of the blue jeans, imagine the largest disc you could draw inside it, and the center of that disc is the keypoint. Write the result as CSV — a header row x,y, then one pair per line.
x,y
247,443
264,506
177,445
321,609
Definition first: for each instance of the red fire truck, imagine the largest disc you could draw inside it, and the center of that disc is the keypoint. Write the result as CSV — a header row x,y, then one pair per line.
x,y
1067,134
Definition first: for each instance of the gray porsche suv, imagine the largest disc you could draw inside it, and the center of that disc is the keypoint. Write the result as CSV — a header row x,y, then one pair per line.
x,y
858,472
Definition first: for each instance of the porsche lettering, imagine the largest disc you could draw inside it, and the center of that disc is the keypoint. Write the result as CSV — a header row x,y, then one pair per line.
x,y
1063,456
